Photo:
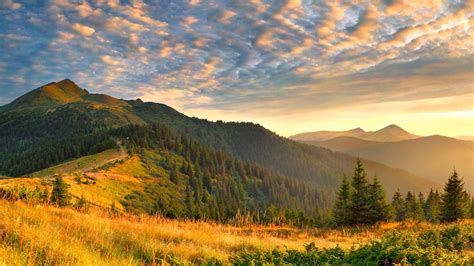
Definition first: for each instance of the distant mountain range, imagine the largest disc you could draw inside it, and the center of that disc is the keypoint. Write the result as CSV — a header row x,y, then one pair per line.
x,y
386,134
432,157
62,113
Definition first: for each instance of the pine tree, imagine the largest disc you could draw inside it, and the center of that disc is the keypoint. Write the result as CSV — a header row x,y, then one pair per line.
x,y
421,204
81,204
413,208
60,195
341,209
398,206
454,200
359,204
378,207
472,207
431,207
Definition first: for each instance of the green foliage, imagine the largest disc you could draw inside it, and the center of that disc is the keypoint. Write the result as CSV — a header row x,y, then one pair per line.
x,y
81,204
413,208
454,200
398,206
432,246
378,207
341,207
432,207
35,196
31,141
60,194
201,183
360,202
359,206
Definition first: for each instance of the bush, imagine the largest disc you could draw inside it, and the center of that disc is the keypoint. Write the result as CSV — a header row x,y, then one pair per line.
x,y
429,247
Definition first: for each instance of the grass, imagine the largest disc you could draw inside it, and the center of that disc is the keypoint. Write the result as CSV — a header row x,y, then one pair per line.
x,y
37,234
82,164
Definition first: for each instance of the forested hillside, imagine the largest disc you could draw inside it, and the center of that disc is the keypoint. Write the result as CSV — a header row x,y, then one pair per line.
x,y
54,123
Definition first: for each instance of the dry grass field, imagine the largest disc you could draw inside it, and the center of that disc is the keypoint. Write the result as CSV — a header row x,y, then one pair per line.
x,y
38,234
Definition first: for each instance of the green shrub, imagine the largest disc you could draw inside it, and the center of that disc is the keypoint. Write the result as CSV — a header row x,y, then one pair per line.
x,y
429,247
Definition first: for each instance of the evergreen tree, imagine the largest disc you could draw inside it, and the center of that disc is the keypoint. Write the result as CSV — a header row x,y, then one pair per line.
x,y
413,208
454,200
431,207
420,206
472,207
341,209
398,206
359,206
60,195
81,204
378,207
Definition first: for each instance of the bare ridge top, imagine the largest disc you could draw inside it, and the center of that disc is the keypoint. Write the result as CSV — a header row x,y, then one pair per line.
x,y
64,91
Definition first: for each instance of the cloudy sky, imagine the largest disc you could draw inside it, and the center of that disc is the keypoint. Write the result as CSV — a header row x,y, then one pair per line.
x,y
292,66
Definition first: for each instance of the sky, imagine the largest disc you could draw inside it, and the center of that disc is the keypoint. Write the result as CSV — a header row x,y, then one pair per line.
x,y
292,66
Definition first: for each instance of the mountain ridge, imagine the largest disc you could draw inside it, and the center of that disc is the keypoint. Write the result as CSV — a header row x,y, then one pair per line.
x,y
431,156
386,134
248,141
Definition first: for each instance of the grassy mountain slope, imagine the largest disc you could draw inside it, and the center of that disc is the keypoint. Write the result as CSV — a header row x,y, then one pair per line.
x,y
432,157
78,127
177,178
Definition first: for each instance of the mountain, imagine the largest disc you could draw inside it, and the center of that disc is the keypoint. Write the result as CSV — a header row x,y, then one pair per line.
x,y
60,122
432,157
386,134
471,138
53,93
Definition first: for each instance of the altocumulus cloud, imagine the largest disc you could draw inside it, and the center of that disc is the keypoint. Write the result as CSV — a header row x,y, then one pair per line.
x,y
284,56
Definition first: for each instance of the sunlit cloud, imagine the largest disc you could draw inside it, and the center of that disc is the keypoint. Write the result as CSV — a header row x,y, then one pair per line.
x,y
259,60
83,29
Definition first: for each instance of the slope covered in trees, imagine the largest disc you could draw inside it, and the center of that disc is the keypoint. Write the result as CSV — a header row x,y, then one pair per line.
x,y
64,124
204,184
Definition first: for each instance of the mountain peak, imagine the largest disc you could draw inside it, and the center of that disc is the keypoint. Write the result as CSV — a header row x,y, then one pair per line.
x,y
390,133
392,127
62,92
357,130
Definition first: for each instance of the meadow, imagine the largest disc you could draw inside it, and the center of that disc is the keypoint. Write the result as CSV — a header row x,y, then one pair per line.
x,y
45,235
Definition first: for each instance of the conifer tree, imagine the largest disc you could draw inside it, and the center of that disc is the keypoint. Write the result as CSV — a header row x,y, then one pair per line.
x,y
398,206
341,209
431,207
378,207
60,195
454,203
413,208
472,207
359,204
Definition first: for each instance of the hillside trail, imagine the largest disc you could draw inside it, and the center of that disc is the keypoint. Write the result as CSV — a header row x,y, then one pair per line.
x,y
121,156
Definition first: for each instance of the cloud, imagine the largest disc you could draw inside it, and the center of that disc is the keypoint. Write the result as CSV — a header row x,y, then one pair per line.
x,y
66,36
194,2
9,4
189,20
84,30
272,57
226,16
110,60
119,25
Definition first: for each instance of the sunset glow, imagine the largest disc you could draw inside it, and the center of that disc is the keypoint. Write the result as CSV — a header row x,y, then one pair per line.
x,y
293,66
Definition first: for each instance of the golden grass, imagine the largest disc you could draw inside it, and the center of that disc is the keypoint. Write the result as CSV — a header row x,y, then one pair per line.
x,y
45,234
82,164
48,235
132,166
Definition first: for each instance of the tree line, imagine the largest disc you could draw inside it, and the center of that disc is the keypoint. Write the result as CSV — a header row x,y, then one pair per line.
x,y
203,183
361,202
